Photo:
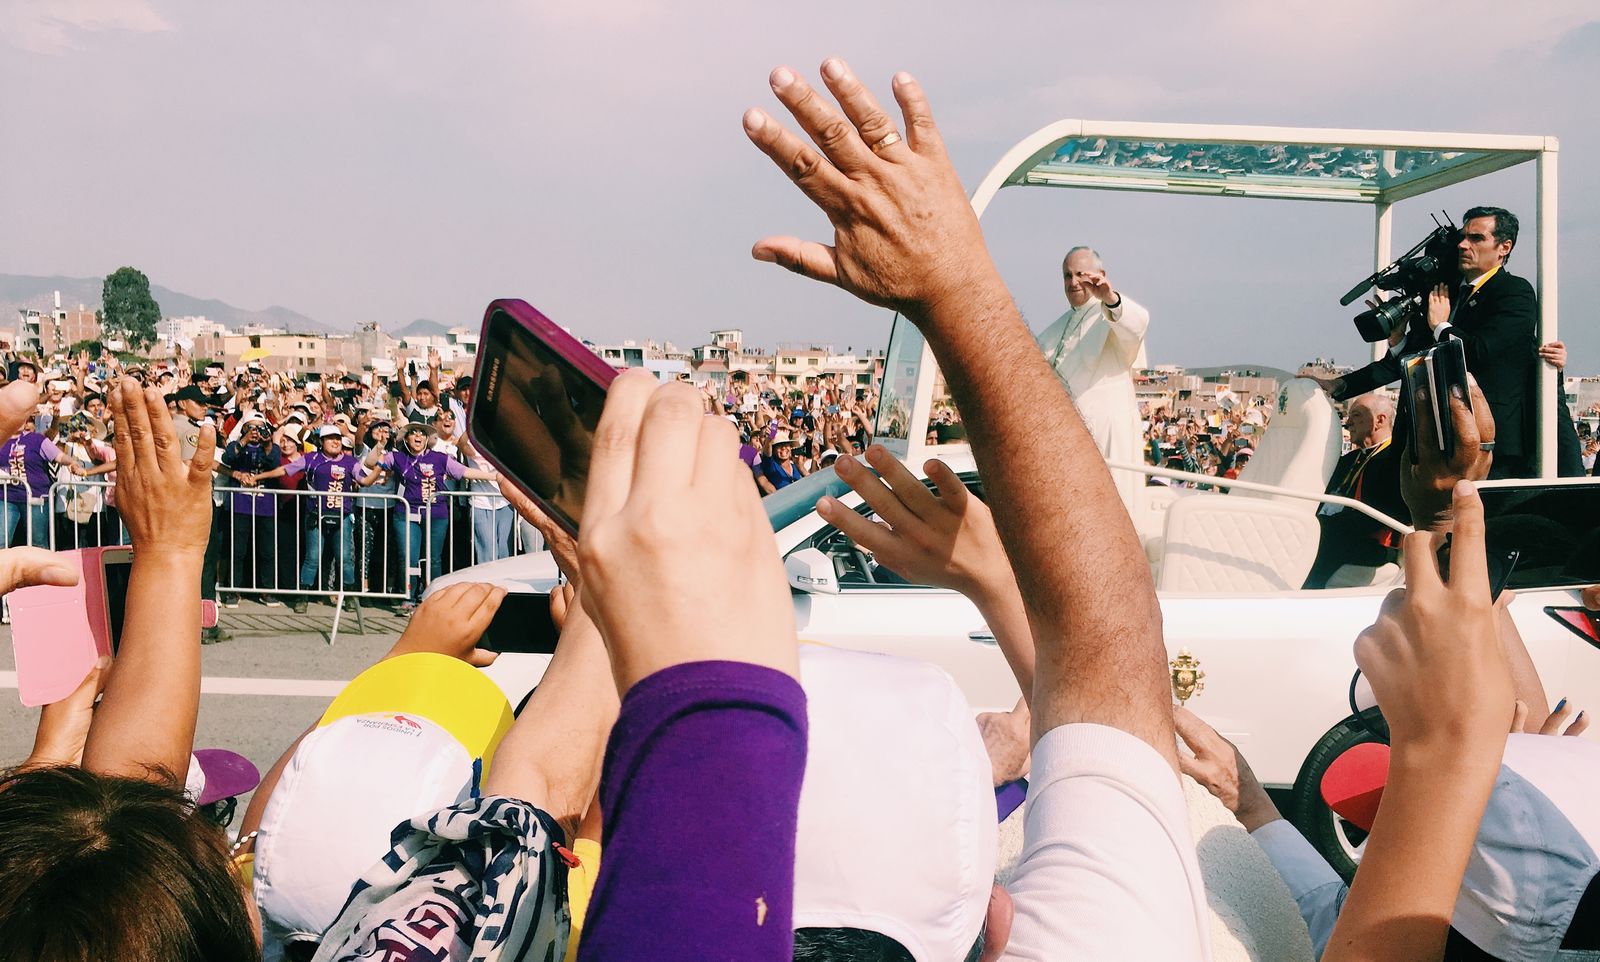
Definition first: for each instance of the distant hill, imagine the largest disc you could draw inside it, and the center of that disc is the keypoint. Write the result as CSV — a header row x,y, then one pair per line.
x,y
422,328
22,291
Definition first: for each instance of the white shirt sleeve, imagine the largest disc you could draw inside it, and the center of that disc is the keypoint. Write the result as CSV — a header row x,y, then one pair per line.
x,y
1317,888
1129,322
1439,334
1108,868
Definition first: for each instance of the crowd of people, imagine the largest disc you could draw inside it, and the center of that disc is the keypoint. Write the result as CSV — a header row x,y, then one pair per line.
x,y
689,782
336,483
788,431
1217,444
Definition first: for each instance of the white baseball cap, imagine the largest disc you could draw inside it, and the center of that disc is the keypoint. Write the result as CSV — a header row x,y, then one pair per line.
x,y
897,829
408,736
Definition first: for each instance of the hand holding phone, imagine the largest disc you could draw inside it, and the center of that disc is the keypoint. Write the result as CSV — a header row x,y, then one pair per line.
x,y
1428,474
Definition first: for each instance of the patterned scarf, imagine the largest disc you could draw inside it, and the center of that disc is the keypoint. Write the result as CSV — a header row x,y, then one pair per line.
x,y
479,881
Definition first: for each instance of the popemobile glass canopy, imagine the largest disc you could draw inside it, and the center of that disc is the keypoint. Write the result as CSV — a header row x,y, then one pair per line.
x,y
1353,166
1375,167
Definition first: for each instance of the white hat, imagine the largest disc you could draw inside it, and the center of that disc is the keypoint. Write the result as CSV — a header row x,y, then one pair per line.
x,y
329,431
894,737
329,818
1536,850
406,737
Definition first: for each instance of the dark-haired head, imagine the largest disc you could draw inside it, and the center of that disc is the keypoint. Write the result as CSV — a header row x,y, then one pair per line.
x,y
98,867
857,945
1505,223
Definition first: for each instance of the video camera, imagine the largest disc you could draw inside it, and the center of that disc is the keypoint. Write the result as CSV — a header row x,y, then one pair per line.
x,y
1433,261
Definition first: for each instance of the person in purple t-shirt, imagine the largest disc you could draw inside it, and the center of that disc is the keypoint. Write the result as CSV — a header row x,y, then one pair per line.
x,y
421,473
331,515
25,459
254,509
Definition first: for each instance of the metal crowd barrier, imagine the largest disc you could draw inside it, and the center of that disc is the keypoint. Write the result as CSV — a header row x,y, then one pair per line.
x,y
283,543
30,513
488,531
280,542
83,515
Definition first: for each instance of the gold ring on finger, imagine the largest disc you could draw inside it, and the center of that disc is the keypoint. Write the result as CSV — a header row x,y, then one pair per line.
x,y
889,140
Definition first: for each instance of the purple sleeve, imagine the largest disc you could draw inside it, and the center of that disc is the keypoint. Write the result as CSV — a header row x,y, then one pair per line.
x,y
49,451
455,468
700,791
387,461
294,467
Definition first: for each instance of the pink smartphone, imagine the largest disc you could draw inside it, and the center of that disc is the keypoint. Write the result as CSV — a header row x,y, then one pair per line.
x,y
58,633
537,395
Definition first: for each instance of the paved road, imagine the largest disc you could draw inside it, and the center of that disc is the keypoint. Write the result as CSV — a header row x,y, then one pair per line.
x,y
284,661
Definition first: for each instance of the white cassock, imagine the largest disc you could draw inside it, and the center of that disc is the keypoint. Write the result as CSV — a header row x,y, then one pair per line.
x,y
1095,350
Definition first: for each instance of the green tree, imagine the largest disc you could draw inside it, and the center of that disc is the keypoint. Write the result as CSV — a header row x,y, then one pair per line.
x,y
127,309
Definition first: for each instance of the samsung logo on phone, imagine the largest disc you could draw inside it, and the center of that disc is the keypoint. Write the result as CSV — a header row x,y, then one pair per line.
x,y
494,379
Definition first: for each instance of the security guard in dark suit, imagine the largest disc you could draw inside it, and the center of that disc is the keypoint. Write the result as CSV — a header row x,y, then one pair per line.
x,y
1495,315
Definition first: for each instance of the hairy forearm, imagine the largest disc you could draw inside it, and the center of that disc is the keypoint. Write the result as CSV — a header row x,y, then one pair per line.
x,y
146,719
1082,573
1402,901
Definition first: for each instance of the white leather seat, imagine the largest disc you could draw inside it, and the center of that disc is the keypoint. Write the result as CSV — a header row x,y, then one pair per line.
x,y
1300,447
1226,544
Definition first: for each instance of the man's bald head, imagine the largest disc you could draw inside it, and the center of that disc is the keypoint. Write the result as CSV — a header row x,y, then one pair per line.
x,y
1371,419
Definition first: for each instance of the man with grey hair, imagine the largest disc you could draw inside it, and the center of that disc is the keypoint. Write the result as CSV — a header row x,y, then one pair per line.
x,y
1094,348
1369,473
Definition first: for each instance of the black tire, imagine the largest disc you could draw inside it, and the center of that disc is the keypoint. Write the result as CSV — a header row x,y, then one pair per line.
x,y
1339,841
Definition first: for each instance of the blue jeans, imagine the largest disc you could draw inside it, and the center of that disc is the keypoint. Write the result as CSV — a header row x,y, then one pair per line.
x,y
312,568
11,514
491,533
411,533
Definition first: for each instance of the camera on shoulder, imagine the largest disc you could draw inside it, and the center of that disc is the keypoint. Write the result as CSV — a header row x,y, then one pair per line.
x,y
1412,275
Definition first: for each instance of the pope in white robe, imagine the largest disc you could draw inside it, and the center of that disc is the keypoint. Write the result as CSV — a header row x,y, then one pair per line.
x,y
1094,347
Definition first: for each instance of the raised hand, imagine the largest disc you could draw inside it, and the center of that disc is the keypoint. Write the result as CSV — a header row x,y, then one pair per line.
x,y
165,501
1433,636
693,510
905,235
947,539
1100,287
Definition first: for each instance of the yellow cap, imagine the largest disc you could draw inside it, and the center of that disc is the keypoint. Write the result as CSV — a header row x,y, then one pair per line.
x,y
447,691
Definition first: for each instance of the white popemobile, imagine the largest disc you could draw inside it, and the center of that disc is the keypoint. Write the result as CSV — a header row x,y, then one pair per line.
x,y
1228,566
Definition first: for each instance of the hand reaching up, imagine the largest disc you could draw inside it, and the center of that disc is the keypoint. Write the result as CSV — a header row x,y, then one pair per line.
x,y
905,235
1436,636
165,501
664,559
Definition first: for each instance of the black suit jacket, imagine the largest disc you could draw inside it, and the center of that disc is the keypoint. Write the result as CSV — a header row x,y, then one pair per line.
x,y
1498,325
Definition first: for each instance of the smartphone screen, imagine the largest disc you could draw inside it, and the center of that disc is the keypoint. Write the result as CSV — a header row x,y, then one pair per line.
x,y
522,624
537,397
1553,526
116,570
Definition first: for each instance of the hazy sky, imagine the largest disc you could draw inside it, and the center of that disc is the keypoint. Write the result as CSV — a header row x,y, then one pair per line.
x,y
393,159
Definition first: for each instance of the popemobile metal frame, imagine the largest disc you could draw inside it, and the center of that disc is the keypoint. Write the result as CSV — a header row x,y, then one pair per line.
x,y
1379,168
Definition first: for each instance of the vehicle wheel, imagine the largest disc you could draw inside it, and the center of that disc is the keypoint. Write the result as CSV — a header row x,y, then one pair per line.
x,y
1340,842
